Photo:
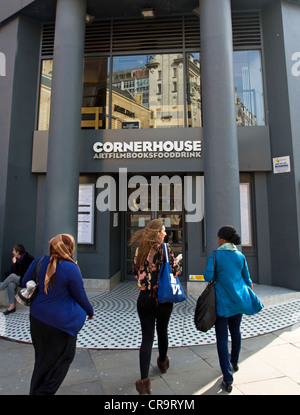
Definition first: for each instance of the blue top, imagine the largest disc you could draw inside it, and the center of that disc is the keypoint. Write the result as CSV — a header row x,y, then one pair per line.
x,y
233,282
66,305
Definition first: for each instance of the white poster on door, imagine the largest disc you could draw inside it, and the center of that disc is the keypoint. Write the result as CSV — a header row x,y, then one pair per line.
x,y
86,201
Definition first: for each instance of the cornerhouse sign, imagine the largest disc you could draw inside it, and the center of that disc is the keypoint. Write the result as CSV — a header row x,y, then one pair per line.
x,y
147,149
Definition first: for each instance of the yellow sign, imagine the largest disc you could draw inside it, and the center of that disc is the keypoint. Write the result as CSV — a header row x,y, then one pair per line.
x,y
197,278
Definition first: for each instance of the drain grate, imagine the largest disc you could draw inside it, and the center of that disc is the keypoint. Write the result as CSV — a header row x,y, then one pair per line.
x,y
116,324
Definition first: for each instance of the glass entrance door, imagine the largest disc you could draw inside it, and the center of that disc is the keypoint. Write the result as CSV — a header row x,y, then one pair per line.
x,y
174,224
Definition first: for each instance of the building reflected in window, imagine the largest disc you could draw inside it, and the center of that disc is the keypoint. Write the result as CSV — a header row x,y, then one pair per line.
x,y
45,95
155,91
248,88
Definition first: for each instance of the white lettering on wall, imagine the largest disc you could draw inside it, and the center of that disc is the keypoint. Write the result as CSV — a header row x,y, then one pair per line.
x,y
160,186
296,65
147,149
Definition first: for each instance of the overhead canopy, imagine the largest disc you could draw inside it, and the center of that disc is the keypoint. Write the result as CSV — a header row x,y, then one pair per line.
x,y
44,10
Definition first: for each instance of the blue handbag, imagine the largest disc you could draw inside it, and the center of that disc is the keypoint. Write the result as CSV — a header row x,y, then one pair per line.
x,y
169,287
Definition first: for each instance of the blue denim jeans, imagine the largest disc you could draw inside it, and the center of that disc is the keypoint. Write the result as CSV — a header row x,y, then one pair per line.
x,y
221,326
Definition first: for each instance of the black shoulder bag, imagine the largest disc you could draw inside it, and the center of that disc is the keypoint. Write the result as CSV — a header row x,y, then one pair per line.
x,y
205,312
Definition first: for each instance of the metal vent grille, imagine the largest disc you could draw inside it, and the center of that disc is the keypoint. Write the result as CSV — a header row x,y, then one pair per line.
x,y
192,33
169,34
246,29
97,37
48,40
142,35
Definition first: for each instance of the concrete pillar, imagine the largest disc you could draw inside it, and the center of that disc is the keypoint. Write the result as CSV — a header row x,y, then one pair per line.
x,y
220,150
61,204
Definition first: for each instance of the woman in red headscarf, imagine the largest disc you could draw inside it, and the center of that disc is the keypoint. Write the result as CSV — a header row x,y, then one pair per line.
x,y
57,314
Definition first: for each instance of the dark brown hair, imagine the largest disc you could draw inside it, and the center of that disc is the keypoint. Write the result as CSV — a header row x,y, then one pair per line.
x,y
19,248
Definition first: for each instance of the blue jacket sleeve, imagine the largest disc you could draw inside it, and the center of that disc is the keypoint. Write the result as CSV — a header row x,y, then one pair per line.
x,y
209,271
246,274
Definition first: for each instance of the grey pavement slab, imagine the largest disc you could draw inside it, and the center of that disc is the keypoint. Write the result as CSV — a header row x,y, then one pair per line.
x,y
269,365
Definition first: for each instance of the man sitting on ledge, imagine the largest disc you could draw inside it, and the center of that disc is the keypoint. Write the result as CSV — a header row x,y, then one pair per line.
x,y
20,263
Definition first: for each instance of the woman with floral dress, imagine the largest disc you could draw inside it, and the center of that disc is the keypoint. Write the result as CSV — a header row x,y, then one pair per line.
x,y
147,262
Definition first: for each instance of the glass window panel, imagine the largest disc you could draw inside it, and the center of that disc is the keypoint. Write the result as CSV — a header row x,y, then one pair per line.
x,y
130,93
95,93
167,192
138,220
45,95
246,222
131,251
129,267
171,221
139,196
174,237
147,91
130,248
194,112
177,250
248,83
166,90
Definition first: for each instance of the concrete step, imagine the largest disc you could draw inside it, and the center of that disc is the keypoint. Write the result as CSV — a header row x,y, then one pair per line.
x,y
273,295
269,295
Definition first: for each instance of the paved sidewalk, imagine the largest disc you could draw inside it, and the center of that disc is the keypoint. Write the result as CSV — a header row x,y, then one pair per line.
x,y
269,365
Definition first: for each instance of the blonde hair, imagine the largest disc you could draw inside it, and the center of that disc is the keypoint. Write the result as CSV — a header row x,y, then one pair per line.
x,y
147,238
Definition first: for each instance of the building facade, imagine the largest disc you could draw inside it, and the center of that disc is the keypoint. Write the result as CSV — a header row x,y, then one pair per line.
x,y
114,114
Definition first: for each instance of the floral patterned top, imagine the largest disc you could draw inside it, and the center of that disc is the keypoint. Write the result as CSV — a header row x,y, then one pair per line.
x,y
147,276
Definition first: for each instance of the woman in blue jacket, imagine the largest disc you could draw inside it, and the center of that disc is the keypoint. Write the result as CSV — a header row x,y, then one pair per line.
x,y
234,297
57,314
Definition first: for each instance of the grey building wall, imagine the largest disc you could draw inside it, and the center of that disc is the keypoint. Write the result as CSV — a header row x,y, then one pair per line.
x,y
19,41
276,196
9,8
281,32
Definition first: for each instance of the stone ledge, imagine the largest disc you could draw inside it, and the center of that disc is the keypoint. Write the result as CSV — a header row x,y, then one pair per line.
x,y
4,301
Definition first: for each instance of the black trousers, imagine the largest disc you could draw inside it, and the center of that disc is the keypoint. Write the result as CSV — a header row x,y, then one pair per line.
x,y
54,353
150,312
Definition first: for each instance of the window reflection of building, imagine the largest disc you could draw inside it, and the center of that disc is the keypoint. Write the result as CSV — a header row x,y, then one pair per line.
x,y
153,91
128,111
159,85
130,91
248,88
135,81
194,91
94,99
243,116
45,95
166,90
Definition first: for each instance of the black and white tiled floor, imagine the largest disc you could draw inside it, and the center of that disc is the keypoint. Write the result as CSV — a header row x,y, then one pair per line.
x,y
116,324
